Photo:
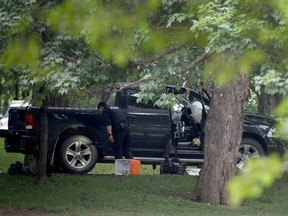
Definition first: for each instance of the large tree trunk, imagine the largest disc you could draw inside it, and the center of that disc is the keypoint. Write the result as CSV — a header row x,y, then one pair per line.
x,y
267,103
31,161
276,100
223,131
264,102
42,170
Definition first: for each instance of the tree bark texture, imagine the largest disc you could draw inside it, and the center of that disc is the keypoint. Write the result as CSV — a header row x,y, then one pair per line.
x,y
42,169
31,161
264,102
223,133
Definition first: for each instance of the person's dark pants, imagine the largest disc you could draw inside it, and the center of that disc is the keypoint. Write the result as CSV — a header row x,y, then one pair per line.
x,y
121,146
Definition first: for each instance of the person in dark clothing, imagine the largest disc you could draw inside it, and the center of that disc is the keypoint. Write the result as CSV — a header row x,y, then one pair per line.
x,y
118,130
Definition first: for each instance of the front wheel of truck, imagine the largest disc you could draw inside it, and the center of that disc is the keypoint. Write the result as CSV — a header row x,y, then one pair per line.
x,y
78,155
249,149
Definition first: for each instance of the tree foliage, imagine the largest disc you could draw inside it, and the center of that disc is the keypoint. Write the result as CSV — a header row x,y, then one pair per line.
x,y
163,38
258,176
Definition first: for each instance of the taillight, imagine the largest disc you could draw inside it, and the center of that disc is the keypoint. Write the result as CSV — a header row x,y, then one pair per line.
x,y
29,121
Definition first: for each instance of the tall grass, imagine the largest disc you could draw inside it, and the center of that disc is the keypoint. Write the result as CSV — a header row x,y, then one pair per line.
x,y
102,193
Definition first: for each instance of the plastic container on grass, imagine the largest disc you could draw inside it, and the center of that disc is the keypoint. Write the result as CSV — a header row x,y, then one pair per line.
x,y
127,167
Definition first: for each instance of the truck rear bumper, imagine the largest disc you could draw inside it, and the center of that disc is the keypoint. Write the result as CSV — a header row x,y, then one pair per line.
x,y
3,133
21,143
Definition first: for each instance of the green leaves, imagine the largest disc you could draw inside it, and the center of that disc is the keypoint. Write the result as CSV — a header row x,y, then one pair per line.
x,y
273,80
18,46
225,67
109,28
259,175
177,17
282,110
21,52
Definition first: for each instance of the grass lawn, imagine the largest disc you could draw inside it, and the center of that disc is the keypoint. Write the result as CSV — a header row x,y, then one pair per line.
x,y
6,159
102,193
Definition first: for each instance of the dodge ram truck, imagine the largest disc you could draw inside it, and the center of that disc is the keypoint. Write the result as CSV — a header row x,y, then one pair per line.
x,y
77,141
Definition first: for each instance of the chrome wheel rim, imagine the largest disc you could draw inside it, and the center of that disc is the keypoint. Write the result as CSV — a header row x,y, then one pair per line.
x,y
246,153
78,155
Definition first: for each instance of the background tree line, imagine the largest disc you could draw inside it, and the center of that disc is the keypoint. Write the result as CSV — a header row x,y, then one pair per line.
x,y
77,63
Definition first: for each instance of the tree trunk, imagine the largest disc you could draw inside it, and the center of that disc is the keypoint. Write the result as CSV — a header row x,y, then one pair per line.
x,y
276,100
264,102
223,131
31,161
42,168
6,100
57,100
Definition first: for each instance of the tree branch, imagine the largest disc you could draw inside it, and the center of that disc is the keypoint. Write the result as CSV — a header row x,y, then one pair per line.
x,y
116,87
139,62
131,84
152,59
197,61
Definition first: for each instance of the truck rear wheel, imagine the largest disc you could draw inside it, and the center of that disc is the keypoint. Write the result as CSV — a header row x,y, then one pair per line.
x,y
78,155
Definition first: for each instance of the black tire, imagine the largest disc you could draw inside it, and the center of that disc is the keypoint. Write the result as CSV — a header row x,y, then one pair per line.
x,y
249,149
78,155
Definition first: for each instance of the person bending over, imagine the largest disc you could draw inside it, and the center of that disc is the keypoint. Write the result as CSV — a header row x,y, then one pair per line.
x,y
118,130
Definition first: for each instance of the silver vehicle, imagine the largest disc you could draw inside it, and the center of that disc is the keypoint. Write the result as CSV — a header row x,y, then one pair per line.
x,y
4,118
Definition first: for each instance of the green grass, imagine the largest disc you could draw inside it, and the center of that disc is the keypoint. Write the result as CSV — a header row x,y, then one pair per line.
x,y
102,193
7,159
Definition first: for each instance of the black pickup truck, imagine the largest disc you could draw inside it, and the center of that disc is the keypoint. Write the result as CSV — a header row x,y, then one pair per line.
x,y
76,140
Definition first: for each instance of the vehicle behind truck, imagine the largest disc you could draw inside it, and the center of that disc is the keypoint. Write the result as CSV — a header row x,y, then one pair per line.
x,y
13,104
77,141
